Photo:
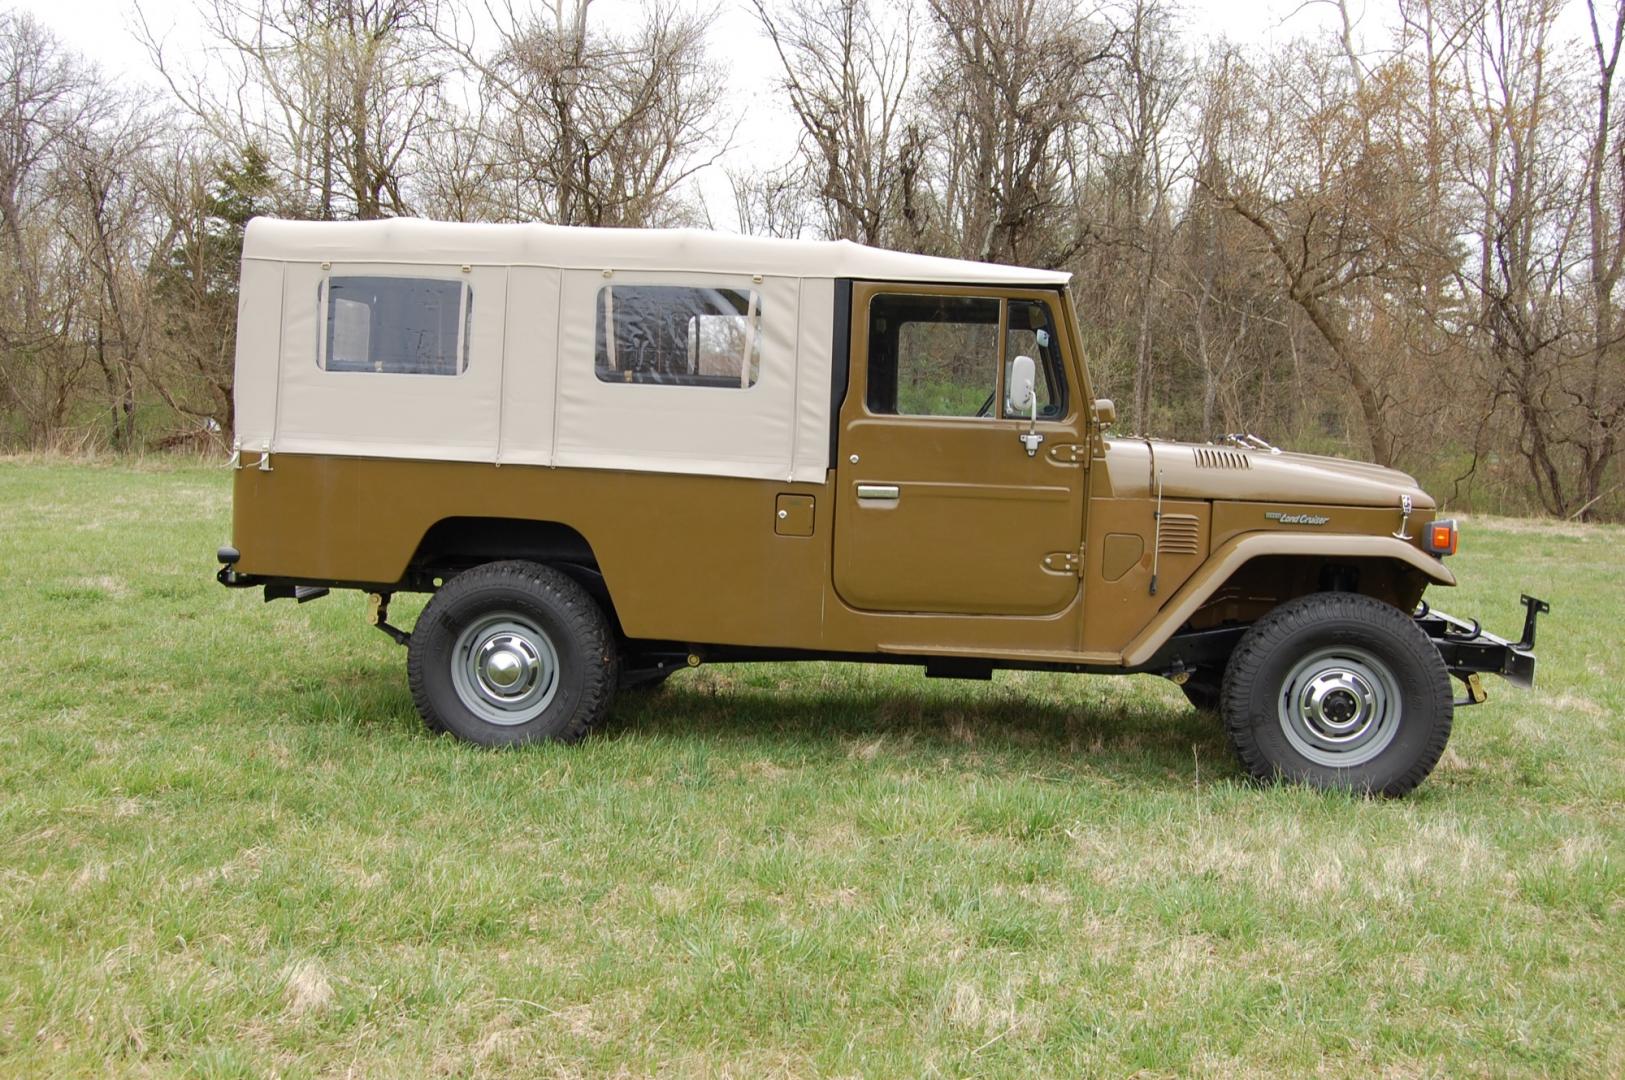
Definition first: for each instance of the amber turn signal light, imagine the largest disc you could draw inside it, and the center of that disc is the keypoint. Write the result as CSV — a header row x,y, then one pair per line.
x,y
1441,538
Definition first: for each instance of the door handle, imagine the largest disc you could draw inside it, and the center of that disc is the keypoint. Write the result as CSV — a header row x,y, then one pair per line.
x,y
877,491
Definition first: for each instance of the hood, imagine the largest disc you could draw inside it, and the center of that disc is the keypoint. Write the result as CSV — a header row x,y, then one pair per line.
x,y
1205,471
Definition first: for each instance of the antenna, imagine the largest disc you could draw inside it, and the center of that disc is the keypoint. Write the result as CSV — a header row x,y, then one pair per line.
x,y
1156,535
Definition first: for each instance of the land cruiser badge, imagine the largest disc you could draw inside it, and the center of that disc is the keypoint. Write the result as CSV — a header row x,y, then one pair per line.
x,y
1296,519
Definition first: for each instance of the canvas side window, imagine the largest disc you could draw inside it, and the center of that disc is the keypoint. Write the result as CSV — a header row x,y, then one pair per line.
x,y
679,335
933,355
395,325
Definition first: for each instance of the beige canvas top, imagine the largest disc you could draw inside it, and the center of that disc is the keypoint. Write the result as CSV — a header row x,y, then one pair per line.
x,y
529,392
410,241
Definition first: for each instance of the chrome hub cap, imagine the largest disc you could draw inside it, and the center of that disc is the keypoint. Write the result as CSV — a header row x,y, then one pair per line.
x,y
508,666
505,669
1340,707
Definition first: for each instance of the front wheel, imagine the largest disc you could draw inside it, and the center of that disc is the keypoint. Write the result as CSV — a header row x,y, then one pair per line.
x,y
512,652
1202,688
1338,690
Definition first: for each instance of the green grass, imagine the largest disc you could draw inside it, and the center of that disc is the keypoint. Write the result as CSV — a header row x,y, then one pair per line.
x,y
227,847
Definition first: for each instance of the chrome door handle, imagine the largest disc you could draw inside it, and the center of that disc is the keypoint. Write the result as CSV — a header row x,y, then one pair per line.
x,y
877,491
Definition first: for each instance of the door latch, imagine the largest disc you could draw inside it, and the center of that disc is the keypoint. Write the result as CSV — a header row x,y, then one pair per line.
x,y
1032,440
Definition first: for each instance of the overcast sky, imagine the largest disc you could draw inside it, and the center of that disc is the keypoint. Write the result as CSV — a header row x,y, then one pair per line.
x,y
101,30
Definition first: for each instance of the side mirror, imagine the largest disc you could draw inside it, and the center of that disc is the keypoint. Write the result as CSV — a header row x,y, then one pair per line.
x,y
1105,412
1021,399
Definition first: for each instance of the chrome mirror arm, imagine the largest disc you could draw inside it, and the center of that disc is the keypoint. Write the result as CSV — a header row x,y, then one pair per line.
x,y
1031,439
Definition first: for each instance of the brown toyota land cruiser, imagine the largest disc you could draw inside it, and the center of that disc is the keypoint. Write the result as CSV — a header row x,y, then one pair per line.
x,y
612,454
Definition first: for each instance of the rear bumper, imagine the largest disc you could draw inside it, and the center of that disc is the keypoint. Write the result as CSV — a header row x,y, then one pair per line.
x,y
1468,651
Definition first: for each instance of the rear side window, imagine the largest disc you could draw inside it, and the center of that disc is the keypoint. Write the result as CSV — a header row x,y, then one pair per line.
x,y
679,335
395,325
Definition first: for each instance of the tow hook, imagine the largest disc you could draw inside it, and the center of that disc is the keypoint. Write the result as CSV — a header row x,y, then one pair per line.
x,y
378,615
228,575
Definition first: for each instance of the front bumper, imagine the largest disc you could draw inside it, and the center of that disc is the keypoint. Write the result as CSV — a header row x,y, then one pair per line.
x,y
1467,651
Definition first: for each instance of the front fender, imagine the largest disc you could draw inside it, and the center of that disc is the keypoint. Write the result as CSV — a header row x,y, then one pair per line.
x,y
1238,551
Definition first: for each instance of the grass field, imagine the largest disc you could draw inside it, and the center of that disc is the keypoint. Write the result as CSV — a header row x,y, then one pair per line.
x,y
227,847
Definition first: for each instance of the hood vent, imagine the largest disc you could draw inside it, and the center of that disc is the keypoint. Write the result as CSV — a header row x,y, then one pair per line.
x,y
1211,457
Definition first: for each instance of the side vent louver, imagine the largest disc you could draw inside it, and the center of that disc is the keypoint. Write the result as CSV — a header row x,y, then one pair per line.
x,y
1211,457
1180,534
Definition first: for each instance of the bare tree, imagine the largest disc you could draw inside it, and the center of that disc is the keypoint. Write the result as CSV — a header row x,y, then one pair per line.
x,y
106,220
1545,177
336,92
845,71
1012,78
459,178
594,127
202,203
1143,100
1600,390
770,202
1321,169
1227,320
51,101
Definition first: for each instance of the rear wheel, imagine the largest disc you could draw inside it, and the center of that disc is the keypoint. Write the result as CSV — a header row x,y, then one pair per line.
x,y
1338,690
512,652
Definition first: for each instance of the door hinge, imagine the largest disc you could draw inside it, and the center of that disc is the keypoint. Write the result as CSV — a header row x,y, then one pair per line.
x,y
1064,562
1068,453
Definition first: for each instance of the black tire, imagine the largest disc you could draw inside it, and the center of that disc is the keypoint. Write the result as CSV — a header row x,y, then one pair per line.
x,y
517,621
1338,691
1202,689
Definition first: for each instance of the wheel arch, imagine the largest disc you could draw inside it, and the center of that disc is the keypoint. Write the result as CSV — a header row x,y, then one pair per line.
x,y
1246,571
454,544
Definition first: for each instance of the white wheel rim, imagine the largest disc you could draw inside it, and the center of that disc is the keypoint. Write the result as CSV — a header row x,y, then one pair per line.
x,y
1339,707
505,669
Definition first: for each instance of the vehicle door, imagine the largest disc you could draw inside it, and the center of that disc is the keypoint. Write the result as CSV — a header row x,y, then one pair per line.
x,y
950,499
